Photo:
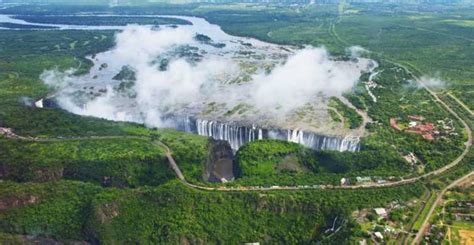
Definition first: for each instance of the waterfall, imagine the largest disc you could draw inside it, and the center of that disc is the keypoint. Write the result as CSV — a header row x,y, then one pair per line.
x,y
238,135
316,141
235,134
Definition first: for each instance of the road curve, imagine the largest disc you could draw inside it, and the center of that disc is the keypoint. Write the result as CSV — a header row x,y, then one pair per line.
x,y
441,170
426,222
174,166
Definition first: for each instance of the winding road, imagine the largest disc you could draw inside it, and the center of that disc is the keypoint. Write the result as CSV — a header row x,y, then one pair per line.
x,y
426,222
439,171
332,31
174,166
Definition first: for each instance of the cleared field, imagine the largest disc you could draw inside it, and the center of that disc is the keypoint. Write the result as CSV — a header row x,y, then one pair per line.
x,y
461,233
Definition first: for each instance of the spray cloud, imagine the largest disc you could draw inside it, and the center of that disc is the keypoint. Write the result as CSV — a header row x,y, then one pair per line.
x,y
175,73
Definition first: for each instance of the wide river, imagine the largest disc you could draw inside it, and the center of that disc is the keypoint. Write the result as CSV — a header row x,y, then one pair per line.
x,y
189,117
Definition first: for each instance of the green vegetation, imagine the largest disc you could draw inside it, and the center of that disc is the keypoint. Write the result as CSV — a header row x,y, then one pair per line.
x,y
400,97
426,208
452,222
272,162
189,151
102,21
334,115
120,189
173,212
56,209
122,162
430,45
19,26
353,119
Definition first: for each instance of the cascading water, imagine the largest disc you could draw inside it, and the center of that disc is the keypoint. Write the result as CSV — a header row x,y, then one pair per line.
x,y
316,141
238,135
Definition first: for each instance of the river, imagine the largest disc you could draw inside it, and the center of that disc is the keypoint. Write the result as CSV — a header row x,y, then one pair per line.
x,y
209,98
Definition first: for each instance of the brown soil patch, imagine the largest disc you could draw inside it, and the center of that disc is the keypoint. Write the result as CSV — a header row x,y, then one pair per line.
x,y
467,237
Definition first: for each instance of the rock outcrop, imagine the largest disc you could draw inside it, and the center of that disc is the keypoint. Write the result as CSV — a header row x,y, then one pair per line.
x,y
220,165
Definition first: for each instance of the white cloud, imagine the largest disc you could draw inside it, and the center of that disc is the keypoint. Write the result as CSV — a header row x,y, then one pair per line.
x,y
291,83
432,82
305,74
356,51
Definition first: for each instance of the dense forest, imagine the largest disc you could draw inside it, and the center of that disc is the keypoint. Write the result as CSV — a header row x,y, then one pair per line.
x,y
68,210
94,180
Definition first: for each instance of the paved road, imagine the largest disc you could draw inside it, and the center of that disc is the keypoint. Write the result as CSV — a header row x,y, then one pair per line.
x,y
426,222
456,161
174,166
461,103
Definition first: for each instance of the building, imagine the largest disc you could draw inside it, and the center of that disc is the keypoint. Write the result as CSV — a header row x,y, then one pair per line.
x,y
412,124
381,212
416,117
378,235
428,137
393,123
7,132
363,179
411,158
344,181
425,127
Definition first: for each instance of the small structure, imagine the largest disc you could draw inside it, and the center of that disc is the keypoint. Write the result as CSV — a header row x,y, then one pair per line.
x,y
416,117
425,130
412,124
344,181
428,137
427,127
378,235
411,158
393,123
416,126
422,128
363,179
39,103
381,181
7,132
381,212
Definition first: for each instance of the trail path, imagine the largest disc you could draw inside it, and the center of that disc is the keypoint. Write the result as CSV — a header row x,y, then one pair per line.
x,y
426,222
461,103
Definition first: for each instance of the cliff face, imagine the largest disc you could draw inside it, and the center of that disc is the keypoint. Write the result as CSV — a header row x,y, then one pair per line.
x,y
220,163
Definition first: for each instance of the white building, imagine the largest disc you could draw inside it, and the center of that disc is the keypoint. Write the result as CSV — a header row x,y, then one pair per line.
x,y
378,235
344,181
381,212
